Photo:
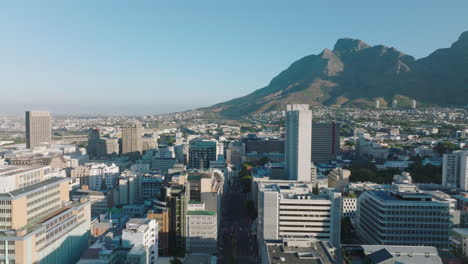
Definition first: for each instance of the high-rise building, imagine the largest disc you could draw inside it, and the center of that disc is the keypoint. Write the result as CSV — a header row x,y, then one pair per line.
x,y
201,152
290,209
132,138
234,153
298,142
38,129
325,141
108,146
404,216
39,223
377,103
94,141
202,229
394,104
455,170
413,104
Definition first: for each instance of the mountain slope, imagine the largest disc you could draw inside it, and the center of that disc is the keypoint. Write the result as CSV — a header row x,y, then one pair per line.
x,y
355,74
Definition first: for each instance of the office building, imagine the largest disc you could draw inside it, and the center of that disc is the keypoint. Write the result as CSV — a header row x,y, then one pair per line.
x,y
201,152
460,241
377,103
404,215
149,141
298,142
338,179
132,138
94,141
455,170
201,229
325,141
297,251
207,187
290,209
38,129
176,198
385,254
39,223
181,153
413,104
108,146
141,235
160,213
235,151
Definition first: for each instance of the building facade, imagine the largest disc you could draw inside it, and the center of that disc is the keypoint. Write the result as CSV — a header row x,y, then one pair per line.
x,y
298,142
289,209
132,137
38,129
455,170
201,152
325,141
403,216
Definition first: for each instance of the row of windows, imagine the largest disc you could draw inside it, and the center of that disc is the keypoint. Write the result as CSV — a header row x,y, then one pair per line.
x,y
50,210
44,205
5,202
41,192
43,198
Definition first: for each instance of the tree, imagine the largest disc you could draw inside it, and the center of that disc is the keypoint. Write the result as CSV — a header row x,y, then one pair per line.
x,y
176,260
443,147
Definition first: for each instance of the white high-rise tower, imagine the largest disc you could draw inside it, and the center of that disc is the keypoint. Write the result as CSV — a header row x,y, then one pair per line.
x,y
298,142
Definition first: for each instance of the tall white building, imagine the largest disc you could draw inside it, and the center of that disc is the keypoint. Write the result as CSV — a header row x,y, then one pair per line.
x,y
289,209
455,170
298,142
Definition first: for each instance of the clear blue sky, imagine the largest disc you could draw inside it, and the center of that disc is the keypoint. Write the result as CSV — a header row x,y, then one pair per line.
x,y
193,53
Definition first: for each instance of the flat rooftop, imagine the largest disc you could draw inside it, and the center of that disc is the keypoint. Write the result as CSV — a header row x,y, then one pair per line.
x,y
298,255
30,188
15,169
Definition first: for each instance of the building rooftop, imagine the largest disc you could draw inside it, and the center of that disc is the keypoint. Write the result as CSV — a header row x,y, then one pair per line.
x,y
15,169
316,253
201,213
461,231
406,254
25,190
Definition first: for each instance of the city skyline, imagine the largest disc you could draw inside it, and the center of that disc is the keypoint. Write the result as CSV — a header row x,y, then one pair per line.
x,y
194,55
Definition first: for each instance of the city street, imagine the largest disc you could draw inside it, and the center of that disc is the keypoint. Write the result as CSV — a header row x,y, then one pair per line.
x,y
237,245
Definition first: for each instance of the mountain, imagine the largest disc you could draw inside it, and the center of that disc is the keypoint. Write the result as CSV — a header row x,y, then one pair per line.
x,y
356,74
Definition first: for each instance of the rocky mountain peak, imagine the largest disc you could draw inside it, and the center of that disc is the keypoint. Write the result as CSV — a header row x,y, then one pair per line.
x,y
348,45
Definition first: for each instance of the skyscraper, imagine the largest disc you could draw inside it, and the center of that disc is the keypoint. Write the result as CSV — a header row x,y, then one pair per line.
x,y
201,152
455,170
298,142
93,143
38,129
131,137
325,141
